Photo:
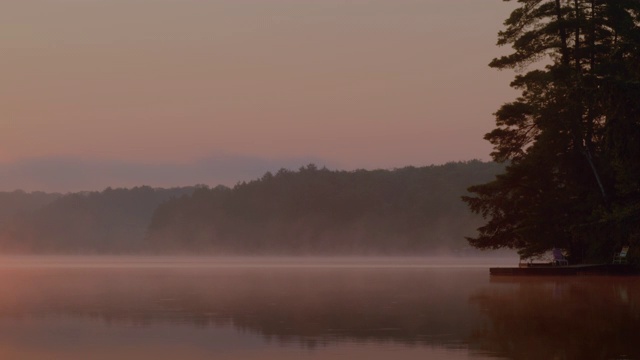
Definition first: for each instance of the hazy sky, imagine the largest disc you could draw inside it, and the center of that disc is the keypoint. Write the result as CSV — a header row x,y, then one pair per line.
x,y
124,92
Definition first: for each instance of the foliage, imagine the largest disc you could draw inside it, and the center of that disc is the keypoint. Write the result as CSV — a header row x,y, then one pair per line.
x,y
318,211
21,202
571,139
309,211
110,221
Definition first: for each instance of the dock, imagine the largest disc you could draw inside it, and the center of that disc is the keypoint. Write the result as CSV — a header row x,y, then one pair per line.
x,y
569,270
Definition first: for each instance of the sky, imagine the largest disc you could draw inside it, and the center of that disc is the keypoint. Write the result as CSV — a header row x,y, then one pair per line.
x,y
97,93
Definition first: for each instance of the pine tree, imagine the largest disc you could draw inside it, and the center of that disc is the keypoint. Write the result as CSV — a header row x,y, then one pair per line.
x,y
572,138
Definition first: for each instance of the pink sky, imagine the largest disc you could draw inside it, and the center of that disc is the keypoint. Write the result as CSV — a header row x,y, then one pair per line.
x,y
354,83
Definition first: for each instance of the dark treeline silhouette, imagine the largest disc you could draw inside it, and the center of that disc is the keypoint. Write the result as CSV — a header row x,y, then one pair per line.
x,y
412,210
571,138
111,221
20,202
319,211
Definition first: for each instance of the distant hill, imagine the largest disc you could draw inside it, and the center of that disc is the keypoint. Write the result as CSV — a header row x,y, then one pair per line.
x,y
111,221
19,202
412,210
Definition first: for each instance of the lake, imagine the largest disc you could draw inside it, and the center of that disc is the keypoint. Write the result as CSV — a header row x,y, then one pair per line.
x,y
307,308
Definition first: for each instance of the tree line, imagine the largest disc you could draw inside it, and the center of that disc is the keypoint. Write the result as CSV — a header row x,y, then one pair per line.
x,y
571,140
412,210
110,221
318,211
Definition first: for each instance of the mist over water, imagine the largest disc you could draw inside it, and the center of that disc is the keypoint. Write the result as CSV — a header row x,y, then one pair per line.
x,y
204,262
305,308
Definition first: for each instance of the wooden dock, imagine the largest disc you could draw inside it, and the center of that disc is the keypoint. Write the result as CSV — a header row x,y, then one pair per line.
x,y
571,270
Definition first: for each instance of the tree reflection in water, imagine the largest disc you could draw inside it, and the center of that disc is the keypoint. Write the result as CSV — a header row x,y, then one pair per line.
x,y
311,307
317,308
560,318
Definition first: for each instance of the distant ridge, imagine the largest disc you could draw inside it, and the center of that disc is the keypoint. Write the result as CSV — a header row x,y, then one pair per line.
x,y
411,210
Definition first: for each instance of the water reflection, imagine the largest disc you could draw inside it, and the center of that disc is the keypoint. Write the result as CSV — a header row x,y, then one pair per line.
x,y
309,306
560,318
247,312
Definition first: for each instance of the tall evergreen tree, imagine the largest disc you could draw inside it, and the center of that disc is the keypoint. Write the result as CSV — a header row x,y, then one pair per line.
x,y
571,139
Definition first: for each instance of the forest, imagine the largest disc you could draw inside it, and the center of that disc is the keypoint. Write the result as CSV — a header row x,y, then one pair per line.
x,y
411,210
110,221
571,139
319,211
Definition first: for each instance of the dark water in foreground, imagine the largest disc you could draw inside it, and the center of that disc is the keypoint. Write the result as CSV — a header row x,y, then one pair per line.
x,y
307,309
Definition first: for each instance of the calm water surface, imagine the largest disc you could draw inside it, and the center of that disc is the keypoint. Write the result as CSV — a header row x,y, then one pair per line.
x,y
169,308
